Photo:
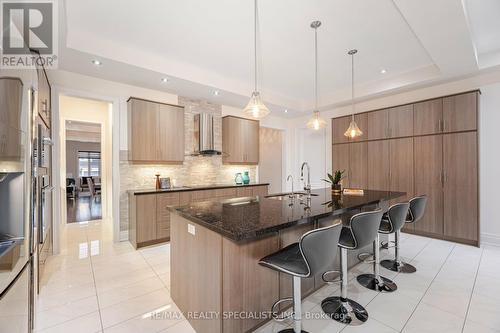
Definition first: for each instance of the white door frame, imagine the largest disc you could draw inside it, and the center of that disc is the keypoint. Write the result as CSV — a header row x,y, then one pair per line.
x,y
56,92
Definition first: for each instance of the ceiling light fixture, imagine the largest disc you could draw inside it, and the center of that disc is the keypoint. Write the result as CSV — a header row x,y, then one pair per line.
x,y
96,62
255,107
383,71
316,122
286,111
164,79
216,93
353,131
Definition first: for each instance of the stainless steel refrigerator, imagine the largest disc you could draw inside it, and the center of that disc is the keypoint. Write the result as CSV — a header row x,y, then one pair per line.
x,y
25,209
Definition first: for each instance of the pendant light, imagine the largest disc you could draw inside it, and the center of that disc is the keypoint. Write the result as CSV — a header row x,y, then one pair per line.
x,y
316,122
255,107
353,131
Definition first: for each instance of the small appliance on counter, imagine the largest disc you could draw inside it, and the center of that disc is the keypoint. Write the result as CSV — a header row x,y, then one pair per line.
x,y
165,183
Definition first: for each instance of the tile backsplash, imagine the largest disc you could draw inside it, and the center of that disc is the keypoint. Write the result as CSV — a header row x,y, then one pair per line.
x,y
196,170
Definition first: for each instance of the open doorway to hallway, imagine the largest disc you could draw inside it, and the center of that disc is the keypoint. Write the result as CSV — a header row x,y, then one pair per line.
x,y
83,171
85,159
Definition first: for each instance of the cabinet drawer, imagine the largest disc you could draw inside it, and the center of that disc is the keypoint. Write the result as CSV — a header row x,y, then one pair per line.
x,y
225,193
162,202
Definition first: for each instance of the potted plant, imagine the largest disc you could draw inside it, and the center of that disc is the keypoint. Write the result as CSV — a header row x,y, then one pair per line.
x,y
335,180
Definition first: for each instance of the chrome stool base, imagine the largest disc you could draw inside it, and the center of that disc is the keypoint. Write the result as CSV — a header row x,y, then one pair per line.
x,y
291,330
345,311
369,281
400,267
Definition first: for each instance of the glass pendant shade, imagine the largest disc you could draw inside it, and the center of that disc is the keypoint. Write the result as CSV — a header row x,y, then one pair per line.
x,y
353,131
316,122
255,107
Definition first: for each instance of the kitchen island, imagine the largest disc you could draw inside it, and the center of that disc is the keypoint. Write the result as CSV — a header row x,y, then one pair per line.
x,y
216,245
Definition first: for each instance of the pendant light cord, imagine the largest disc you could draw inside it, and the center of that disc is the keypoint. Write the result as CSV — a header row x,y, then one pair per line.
x,y
352,84
255,41
315,69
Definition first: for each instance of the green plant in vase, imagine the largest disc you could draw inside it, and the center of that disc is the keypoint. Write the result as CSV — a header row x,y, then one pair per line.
x,y
335,180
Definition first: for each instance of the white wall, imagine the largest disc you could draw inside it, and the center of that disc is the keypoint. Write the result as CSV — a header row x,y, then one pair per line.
x,y
489,164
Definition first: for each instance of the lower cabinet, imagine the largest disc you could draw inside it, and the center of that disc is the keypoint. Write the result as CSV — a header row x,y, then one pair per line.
x,y
149,216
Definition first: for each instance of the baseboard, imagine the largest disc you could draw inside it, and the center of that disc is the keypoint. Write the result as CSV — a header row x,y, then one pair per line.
x,y
490,239
123,235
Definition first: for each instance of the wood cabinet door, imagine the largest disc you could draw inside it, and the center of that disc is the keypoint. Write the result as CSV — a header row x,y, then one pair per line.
x,y
233,147
170,147
378,165
401,167
428,152
340,161
460,185
378,124
358,164
428,117
143,130
11,93
362,121
251,141
460,112
339,126
401,121
163,200
146,217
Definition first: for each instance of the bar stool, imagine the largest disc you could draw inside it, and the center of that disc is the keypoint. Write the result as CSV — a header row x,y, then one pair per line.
x,y
413,214
314,252
361,232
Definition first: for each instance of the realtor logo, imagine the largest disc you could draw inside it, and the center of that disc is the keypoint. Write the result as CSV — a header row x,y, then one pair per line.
x,y
28,26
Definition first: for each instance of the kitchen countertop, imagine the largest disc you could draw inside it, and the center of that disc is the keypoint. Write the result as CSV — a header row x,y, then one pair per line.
x,y
192,188
244,219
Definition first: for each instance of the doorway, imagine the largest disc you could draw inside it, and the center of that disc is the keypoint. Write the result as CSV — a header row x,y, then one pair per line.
x,y
85,160
83,171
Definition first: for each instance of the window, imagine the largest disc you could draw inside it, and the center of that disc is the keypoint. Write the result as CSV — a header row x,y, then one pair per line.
x,y
89,163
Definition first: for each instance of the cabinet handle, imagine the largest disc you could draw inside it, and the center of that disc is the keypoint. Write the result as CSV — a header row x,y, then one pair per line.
x,y
441,178
440,125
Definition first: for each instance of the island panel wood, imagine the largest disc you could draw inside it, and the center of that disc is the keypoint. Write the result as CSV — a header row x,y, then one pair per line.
x,y
247,286
196,274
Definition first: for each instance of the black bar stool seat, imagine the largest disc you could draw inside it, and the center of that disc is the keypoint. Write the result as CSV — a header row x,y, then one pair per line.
x,y
315,251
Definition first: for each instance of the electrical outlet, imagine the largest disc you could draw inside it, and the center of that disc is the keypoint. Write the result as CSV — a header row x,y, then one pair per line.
x,y
191,229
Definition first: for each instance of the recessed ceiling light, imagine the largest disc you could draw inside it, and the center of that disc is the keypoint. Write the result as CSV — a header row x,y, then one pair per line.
x,y
96,62
383,71
164,79
216,93
286,111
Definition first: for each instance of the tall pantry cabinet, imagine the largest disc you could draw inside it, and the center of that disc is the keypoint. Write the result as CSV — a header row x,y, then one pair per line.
x,y
428,147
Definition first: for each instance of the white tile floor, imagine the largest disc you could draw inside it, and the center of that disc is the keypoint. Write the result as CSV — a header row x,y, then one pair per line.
x,y
95,285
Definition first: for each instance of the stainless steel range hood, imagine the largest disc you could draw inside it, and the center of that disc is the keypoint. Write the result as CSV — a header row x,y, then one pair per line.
x,y
203,135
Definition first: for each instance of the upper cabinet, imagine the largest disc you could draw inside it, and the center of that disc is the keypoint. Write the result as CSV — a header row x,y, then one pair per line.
x,y
11,92
390,123
428,117
455,113
240,140
460,112
44,103
155,132
340,125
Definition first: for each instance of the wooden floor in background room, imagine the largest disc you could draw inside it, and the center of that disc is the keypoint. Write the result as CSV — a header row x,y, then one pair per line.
x,y
84,208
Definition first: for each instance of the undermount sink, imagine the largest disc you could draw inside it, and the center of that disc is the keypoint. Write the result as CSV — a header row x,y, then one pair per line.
x,y
286,196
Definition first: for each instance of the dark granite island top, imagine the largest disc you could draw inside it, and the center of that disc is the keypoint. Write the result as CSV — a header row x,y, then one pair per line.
x,y
215,247
245,219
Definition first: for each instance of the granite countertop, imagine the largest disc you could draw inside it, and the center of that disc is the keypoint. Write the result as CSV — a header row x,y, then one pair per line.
x,y
192,188
244,219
